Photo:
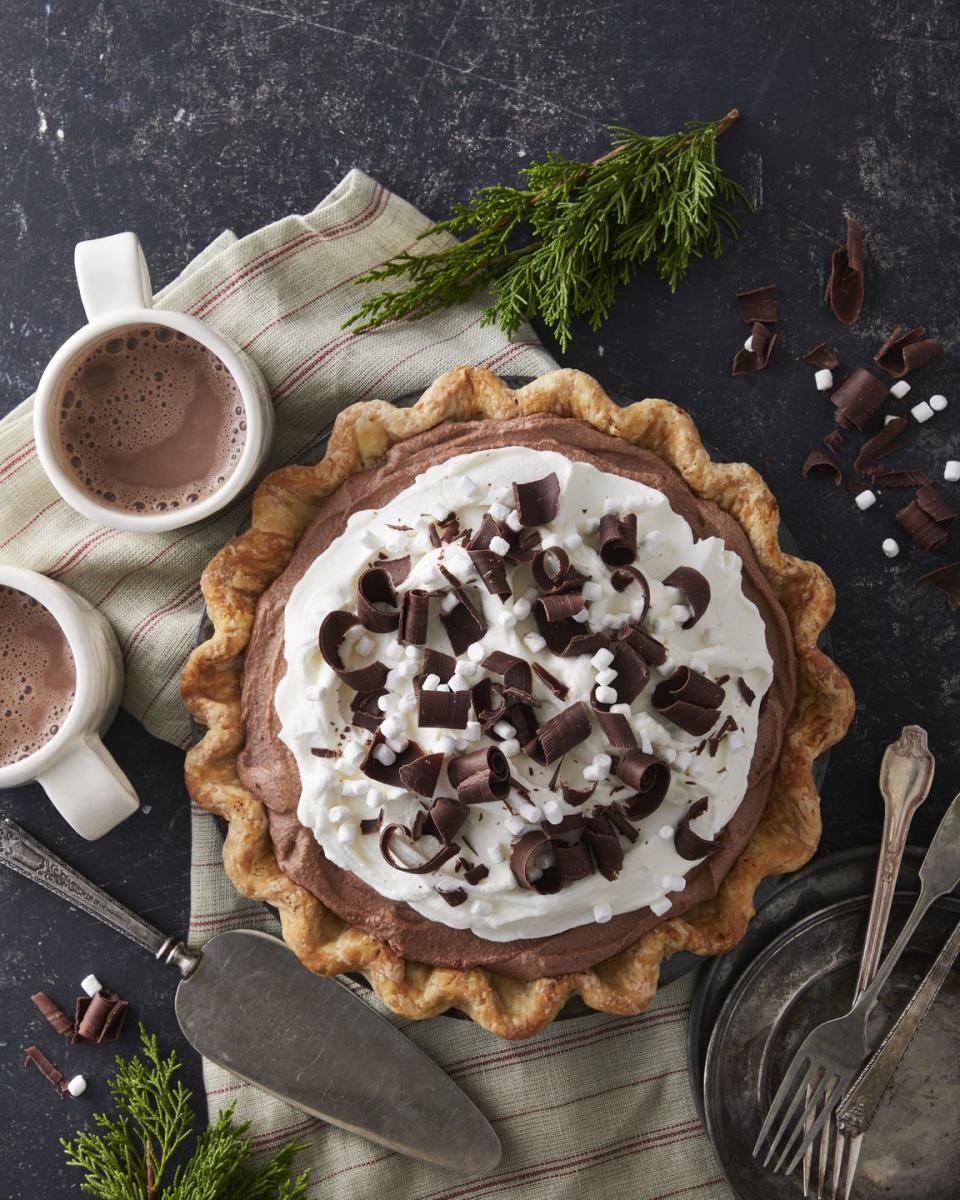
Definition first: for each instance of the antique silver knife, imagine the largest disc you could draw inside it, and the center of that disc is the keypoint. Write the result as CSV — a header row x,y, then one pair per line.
x,y
247,1003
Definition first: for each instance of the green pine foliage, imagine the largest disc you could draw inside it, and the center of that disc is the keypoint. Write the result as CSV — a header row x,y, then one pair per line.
x,y
560,247
129,1158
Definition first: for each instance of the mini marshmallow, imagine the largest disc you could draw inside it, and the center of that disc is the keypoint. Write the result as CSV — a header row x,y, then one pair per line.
x,y
473,731
352,753
91,985
446,745
622,709
458,684
393,679
499,545
890,547
355,787
534,642
398,744
610,507
406,670
495,853
506,619
513,824
384,755
665,832
606,695
347,832
392,725
679,613
865,499
606,676
674,883
532,594
521,608
339,813
951,472
364,645
449,602
468,489
900,389
443,687
530,813
683,760
431,683
590,525
664,625
921,412
668,754
513,521
748,344
466,668
553,812
394,649
77,1085
369,540
823,379
591,774
592,591
374,798
503,729
573,541
661,907
411,652
476,652
666,667
581,617
602,659
462,745
395,545
602,761
938,403
499,511
602,913
698,665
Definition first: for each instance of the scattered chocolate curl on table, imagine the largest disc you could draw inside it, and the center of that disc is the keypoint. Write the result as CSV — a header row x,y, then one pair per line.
x,y
844,293
906,351
819,460
823,357
947,579
759,304
762,342
859,398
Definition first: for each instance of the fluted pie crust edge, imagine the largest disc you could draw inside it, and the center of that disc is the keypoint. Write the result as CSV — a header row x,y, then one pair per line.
x,y
285,502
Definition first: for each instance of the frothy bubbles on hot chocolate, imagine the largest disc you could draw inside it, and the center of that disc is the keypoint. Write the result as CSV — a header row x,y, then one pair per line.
x,y
37,676
151,420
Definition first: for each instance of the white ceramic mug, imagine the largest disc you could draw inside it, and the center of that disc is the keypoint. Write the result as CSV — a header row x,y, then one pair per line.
x,y
74,767
116,293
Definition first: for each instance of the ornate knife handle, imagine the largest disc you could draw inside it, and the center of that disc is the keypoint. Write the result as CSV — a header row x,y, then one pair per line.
x,y
31,859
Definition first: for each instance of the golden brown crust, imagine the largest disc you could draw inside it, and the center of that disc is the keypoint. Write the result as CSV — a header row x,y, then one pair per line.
x,y
788,832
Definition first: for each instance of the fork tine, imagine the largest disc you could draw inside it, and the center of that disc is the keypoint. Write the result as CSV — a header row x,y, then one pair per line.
x,y
855,1146
825,1140
839,1087
838,1164
797,1131
807,1162
787,1117
783,1091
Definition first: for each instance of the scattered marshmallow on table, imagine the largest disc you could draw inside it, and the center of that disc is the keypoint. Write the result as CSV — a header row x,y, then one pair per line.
x,y
823,379
890,548
748,344
951,472
91,985
77,1085
921,412
865,499
938,403
900,389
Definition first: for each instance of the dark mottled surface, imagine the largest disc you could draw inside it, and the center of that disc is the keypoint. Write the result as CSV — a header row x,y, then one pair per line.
x,y
179,119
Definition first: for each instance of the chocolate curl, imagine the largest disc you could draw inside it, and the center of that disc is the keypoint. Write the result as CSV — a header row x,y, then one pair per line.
x,y
445,818
524,546
422,774
524,720
516,672
557,634
568,828
397,569
574,795
375,587
757,358
881,444
690,845
52,1073
435,662
934,505
537,502
621,579
488,701
485,786
366,710
604,846
443,710
559,608
372,824
493,572
526,856
99,1018
389,834
649,649
618,818
689,700
573,861
649,779
858,399
927,518
581,643
618,539
617,729
696,589
53,1013
818,460
822,356
633,674
414,617
551,682
904,352
844,293
947,579
370,678
879,477
552,571
561,733
487,530
374,769
759,304
488,767
476,874
834,440
464,624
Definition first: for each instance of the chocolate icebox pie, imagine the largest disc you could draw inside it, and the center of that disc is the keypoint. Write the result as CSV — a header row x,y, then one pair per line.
x,y
511,695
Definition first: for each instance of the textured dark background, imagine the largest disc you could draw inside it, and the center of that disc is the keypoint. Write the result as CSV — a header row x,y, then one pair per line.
x,y
181,118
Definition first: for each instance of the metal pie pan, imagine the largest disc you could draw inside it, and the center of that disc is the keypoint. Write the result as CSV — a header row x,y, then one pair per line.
x,y
679,964
806,976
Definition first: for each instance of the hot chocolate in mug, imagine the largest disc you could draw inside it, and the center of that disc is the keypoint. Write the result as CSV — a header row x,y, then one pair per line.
x,y
61,675
147,420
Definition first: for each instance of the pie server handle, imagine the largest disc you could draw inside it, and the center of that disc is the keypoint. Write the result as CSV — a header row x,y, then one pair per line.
x,y
247,1003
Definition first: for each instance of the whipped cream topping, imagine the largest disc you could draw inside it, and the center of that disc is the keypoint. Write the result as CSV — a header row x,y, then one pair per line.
x,y
313,705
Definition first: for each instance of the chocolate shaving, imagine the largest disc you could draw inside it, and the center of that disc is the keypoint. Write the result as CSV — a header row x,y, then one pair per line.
x,y
759,304
690,845
552,571
397,569
445,818
648,777
617,730
921,527
757,358
573,861
696,589
818,460
374,769
477,873
537,502
422,774
649,649
390,832
435,662
689,700
559,689
562,607
366,710
414,617
453,896
822,356
488,701
880,477
604,845
881,444
858,399
633,673
844,293
527,849
34,1057
464,625
443,710
53,1012
370,678
493,572
576,796
371,824
746,691
582,643
729,726
517,675
947,579
570,826
934,505
99,1018
906,351
488,767
561,733
618,818
621,579
618,539
834,440
375,588
487,530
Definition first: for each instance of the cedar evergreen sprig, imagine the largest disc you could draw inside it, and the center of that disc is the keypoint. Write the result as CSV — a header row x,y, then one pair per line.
x,y
560,247
129,1157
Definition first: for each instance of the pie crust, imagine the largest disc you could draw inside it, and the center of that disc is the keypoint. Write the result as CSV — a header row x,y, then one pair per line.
x,y
285,502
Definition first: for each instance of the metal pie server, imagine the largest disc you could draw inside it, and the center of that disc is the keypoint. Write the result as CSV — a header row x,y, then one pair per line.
x,y
246,1002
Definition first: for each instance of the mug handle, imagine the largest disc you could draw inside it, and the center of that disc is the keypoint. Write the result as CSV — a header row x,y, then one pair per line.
x,y
112,273
88,789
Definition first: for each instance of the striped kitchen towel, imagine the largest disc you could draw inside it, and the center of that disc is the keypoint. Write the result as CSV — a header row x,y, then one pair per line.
x,y
596,1107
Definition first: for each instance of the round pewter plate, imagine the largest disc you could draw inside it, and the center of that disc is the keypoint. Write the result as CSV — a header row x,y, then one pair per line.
x,y
806,976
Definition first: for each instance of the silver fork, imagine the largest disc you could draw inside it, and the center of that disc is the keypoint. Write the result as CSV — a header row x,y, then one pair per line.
x,y
906,774
831,1054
